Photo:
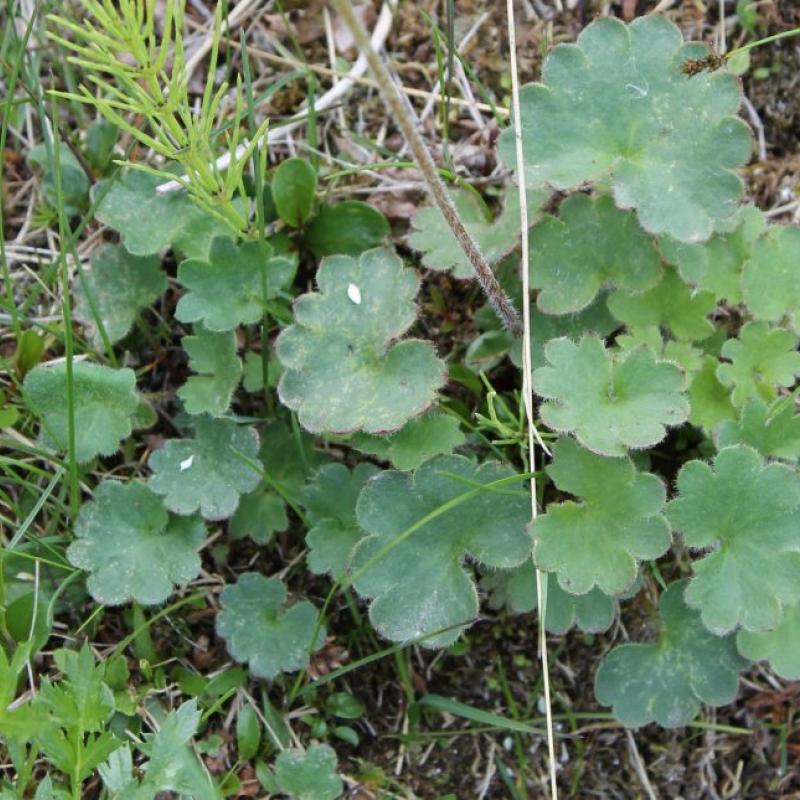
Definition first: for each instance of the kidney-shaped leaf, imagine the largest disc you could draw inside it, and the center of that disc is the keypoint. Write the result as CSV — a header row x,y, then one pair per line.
x,y
781,646
597,542
611,402
415,576
590,244
667,681
105,403
750,515
342,372
131,547
261,631
617,104
207,472
226,289
309,775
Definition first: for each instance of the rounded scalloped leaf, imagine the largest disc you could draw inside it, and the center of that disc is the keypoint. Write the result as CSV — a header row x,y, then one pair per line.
x,y
121,285
342,372
226,288
131,547
761,359
772,276
260,630
709,399
610,401
589,245
599,541
667,681
750,514
309,775
781,646
617,105
149,222
772,430
686,356
105,404
415,576
259,515
330,500
207,472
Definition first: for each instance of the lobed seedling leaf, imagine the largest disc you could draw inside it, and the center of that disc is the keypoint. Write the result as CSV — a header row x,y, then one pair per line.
x,y
773,430
749,514
131,547
105,404
121,285
225,288
684,354
665,682
709,399
610,401
616,106
260,630
207,472
418,583
213,355
342,372
599,541
589,245
309,775
259,515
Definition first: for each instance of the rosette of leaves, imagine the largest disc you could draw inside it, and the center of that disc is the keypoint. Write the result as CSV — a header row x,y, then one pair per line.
x,y
131,547
617,106
106,406
760,359
592,612
149,221
421,527
600,540
120,285
781,646
590,244
773,430
213,356
330,500
772,276
610,401
343,370
433,237
749,515
226,288
261,630
208,471
667,681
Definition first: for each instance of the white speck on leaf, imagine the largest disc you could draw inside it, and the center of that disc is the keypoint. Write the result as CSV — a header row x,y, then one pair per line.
x,y
354,293
186,463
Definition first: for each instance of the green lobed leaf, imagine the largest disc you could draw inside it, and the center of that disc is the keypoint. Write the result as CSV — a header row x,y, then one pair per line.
x,y
781,646
772,276
131,547
260,630
686,356
592,612
709,399
671,304
599,541
225,288
421,585
610,401
749,514
105,403
348,228
589,245
330,500
259,515
213,355
309,775
207,472
342,372
293,188
773,430
433,237
761,359
617,105
666,682
716,265
121,285
149,222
